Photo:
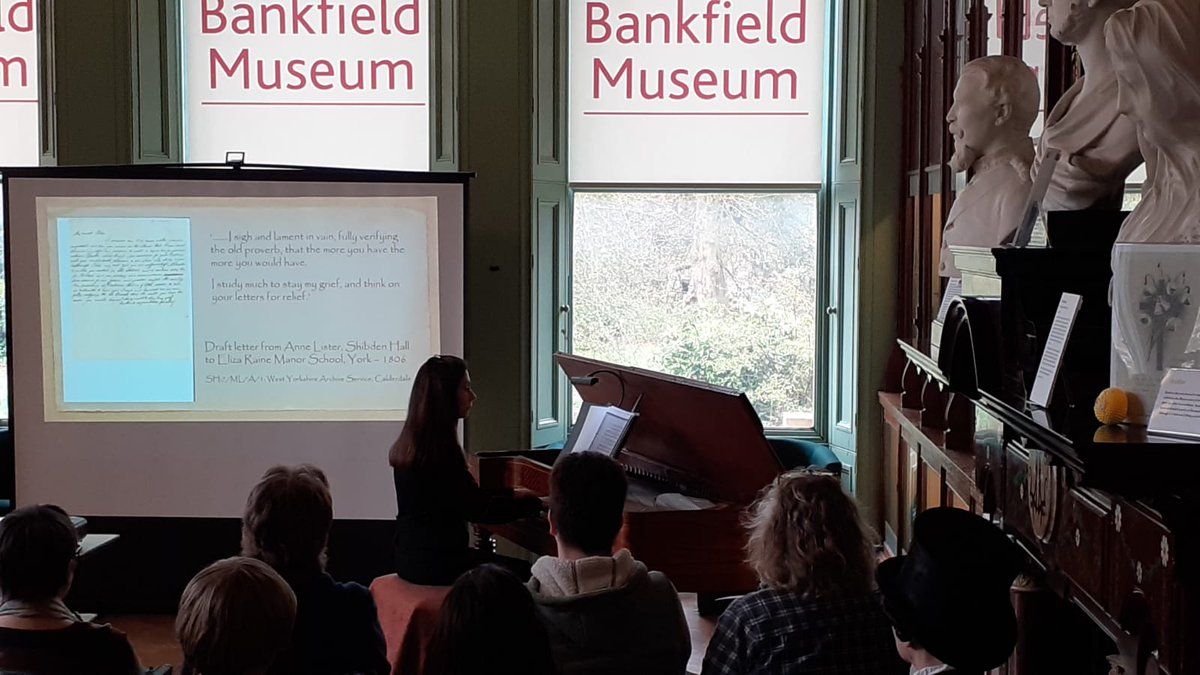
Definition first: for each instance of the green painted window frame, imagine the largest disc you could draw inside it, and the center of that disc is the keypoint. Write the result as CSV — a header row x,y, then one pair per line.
x,y
821,391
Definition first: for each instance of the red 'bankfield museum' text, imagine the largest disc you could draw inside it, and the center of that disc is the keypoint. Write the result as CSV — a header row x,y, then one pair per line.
x,y
296,18
718,22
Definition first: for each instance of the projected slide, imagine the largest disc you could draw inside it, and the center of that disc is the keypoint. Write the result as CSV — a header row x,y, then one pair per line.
x,y
125,299
253,309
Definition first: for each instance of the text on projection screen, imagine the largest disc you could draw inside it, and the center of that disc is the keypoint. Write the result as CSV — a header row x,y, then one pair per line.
x,y
19,140
308,82
696,91
189,309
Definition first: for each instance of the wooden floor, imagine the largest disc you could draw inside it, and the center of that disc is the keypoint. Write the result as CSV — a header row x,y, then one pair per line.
x,y
701,628
153,637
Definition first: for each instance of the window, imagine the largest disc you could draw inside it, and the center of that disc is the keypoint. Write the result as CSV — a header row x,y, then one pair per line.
x,y
1133,188
313,82
695,155
19,121
1035,30
19,85
694,92
714,286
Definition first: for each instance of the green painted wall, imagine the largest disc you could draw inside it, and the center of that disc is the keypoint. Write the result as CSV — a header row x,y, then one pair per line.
x,y
879,244
91,75
495,142
114,69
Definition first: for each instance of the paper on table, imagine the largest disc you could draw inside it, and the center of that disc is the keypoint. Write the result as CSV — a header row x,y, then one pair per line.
x,y
1056,342
1177,408
675,501
953,290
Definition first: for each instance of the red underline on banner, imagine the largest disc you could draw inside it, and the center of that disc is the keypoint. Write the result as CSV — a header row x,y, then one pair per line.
x,y
630,113
348,104
18,100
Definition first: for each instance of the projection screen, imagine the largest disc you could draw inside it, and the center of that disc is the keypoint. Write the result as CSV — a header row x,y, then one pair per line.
x,y
175,331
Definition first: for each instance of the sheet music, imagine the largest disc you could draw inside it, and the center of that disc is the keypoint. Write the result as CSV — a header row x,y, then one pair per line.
x,y
601,429
611,432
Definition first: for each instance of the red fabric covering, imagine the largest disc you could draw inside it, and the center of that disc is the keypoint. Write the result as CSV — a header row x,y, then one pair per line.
x,y
408,614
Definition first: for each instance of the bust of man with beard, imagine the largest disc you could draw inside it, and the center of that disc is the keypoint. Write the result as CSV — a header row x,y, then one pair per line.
x,y
995,105
1099,146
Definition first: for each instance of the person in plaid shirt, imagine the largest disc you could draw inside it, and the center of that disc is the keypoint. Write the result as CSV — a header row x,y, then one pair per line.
x,y
817,611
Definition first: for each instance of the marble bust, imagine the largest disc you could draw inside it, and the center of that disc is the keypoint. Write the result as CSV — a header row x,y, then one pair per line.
x,y
995,104
1099,146
1157,61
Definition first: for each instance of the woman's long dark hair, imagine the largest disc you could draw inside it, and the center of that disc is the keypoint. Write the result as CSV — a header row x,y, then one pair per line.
x,y
488,623
430,434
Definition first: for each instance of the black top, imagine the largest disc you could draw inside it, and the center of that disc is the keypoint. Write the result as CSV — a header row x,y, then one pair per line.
x,y
79,648
435,503
337,631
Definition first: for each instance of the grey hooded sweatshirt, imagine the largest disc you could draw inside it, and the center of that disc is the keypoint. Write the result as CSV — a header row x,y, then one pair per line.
x,y
607,614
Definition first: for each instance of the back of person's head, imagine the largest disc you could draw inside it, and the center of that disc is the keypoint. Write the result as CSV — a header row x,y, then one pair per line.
x,y
430,432
38,545
488,623
235,618
287,519
806,536
587,501
958,564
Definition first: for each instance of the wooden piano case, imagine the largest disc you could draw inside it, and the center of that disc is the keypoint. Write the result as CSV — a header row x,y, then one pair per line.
x,y
700,551
689,438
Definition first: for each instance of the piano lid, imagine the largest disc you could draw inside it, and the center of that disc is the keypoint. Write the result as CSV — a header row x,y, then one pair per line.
x,y
694,434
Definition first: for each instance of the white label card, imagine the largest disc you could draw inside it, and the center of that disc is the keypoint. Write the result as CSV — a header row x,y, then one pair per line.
x,y
1177,408
1041,417
953,290
1056,343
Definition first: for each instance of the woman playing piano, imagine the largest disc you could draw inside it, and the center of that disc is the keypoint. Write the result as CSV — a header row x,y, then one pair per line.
x,y
436,496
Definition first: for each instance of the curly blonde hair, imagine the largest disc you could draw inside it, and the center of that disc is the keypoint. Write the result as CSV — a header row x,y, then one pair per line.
x,y
806,536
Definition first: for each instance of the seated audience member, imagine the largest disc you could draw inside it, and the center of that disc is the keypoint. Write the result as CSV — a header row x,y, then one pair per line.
x,y
235,618
604,612
817,611
286,525
948,599
488,625
38,633
436,495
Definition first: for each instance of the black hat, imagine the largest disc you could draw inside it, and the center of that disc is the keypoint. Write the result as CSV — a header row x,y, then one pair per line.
x,y
950,594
